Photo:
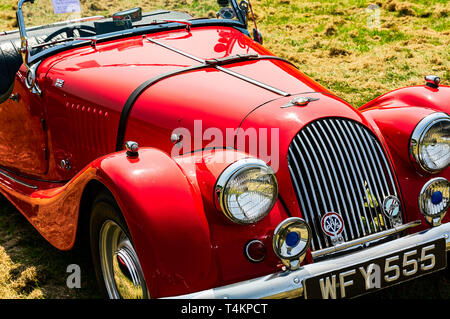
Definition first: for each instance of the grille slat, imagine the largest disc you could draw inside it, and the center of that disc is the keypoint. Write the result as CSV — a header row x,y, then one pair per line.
x,y
372,184
333,180
338,165
312,183
338,181
309,219
349,177
359,179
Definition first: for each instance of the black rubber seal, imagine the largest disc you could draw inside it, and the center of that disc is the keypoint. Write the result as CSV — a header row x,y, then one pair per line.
x,y
140,89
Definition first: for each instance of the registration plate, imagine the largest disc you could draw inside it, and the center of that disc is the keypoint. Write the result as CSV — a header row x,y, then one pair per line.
x,y
378,273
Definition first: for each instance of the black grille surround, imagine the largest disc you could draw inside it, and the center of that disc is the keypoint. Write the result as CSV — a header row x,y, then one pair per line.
x,y
338,165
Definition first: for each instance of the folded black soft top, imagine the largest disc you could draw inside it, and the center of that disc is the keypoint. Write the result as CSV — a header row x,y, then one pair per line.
x,y
10,62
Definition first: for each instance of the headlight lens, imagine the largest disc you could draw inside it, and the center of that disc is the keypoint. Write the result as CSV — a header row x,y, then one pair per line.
x,y
430,142
247,191
434,200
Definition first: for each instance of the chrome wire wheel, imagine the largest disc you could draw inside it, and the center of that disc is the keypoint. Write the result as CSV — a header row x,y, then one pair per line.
x,y
122,273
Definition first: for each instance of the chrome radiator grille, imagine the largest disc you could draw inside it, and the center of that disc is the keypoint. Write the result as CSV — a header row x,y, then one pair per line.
x,y
338,165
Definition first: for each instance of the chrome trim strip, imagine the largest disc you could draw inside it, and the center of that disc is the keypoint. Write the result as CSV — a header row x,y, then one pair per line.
x,y
168,47
253,81
230,72
363,240
17,180
289,284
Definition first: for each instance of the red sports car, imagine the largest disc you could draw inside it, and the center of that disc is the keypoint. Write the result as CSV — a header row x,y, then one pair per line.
x,y
199,165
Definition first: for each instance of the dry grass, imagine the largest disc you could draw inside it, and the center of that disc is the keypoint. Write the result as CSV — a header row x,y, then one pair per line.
x,y
331,41
30,268
334,42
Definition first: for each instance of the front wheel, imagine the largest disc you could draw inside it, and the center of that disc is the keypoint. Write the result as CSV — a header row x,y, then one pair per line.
x,y
117,266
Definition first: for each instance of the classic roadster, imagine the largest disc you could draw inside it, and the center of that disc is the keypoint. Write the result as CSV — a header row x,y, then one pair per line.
x,y
199,165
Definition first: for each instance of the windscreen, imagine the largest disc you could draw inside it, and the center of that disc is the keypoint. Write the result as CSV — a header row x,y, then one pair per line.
x,y
44,12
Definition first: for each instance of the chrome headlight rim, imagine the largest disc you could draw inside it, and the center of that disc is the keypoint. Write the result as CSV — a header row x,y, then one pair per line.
x,y
418,135
433,219
227,175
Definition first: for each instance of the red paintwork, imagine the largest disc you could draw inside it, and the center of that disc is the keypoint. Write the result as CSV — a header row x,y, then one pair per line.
x,y
15,118
396,114
183,242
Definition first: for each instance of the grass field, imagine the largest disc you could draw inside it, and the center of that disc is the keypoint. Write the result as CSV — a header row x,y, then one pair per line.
x,y
356,50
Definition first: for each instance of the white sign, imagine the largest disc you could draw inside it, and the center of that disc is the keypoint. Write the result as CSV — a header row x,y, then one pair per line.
x,y
66,6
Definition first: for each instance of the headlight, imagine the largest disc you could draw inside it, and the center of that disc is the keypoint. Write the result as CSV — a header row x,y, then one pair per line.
x,y
430,142
434,200
247,191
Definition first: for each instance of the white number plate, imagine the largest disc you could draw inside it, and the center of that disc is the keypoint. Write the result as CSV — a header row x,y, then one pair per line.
x,y
378,273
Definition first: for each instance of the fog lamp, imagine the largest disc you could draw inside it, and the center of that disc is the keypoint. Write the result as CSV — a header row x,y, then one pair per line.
x,y
291,240
434,200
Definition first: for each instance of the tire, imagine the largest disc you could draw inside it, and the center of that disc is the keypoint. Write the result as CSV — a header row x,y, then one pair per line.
x,y
117,268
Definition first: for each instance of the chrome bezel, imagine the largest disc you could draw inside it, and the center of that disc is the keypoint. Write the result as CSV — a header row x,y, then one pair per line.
x,y
434,220
231,171
247,254
419,133
294,261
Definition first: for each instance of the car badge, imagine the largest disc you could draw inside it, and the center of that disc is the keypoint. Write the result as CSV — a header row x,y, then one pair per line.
x,y
300,101
59,83
391,207
333,225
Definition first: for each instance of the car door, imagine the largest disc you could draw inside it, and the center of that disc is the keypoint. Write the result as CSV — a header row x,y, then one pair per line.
x,y
23,139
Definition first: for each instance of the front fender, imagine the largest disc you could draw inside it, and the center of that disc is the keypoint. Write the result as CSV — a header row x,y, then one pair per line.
x,y
165,216
395,115
163,210
436,99
183,242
